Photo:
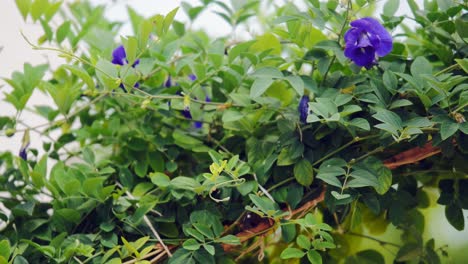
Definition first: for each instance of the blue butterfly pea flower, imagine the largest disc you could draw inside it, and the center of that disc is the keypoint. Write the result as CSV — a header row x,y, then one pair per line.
x,y
119,57
367,40
303,108
24,146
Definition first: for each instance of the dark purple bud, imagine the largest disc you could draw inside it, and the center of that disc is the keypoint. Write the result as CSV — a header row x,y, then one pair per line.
x,y
186,113
23,154
168,82
303,108
23,151
119,56
367,40
192,77
24,146
197,124
207,99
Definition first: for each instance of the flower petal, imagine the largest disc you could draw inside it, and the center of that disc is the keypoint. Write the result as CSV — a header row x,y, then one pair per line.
x,y
186,113
352,35
364,57
197,124
377,32
168,82
386,45
303,108
119,56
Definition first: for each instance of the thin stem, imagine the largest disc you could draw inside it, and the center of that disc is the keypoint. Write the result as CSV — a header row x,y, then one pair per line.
x,y
460,107
281,183
149,224
156,252
354,140
448,69
381,242
340,35
67,117
370,153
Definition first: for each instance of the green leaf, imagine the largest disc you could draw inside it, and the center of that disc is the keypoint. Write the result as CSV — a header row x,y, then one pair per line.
x,y
463,64
454,215
82,74
329,175
229,239
384,181
39,172
284,158
179,28
400,103
340,196
304,173
263,203
93,186
169,18
390,7
232,115
204,229
303,242
267,42
63,31
420,66
24,7
447,129
107,74
409,252
314,257
362,178
210,249
69,215
38,7
289,253
365,257
160,179
63,95
463,98
5,249
191,244
360,123
20,260
296,83
196,234
185,183
268,72
389,79
389,118
131,46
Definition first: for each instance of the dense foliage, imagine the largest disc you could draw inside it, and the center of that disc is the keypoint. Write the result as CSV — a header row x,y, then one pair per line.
x,y
274,149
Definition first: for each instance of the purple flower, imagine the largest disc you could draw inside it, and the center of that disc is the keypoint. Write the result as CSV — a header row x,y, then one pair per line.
x,y
168,82
22,153
199,124
120,57
24,146
303,108
186,113
366,40
192,77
